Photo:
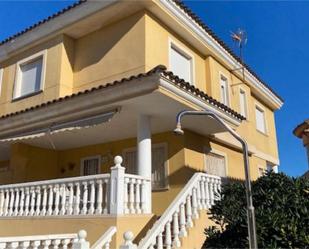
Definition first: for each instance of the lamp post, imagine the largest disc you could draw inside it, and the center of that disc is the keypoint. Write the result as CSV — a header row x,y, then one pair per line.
x,y
250,207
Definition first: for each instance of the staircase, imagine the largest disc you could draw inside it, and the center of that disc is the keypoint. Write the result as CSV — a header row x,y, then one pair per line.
x,y
185,216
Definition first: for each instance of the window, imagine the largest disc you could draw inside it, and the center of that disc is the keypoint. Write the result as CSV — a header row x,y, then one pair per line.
x,y
261,172
181,64
243,103
260,119
1,77
90,165
215,164
224,90
159,165
29,76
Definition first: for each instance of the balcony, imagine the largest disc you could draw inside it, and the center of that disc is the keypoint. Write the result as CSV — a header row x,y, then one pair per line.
x,y
104,194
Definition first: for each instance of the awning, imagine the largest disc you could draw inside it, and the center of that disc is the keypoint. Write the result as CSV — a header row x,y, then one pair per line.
x,y
73,125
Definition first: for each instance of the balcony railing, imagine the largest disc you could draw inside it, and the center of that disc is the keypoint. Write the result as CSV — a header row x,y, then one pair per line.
x,y
114,193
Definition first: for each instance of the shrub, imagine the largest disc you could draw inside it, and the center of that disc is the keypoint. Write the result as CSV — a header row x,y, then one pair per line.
x,y
281,211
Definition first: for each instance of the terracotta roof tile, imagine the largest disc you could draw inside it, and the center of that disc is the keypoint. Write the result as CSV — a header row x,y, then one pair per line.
x,y
161,71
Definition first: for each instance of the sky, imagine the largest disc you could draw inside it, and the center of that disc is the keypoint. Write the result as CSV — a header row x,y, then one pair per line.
x,y
277,50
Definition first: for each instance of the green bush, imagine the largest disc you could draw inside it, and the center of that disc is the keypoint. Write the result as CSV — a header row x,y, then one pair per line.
x,y
281,210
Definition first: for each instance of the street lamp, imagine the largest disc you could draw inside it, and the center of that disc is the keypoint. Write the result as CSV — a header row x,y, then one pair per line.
x,y
250,207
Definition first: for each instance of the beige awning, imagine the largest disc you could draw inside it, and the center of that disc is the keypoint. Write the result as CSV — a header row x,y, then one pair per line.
x,y
74,125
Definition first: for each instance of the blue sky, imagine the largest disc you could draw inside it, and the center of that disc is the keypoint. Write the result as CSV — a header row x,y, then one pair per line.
x,y
277,49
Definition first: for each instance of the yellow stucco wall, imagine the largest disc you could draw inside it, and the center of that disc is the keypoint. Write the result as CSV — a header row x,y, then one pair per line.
x,y
110,53
95,227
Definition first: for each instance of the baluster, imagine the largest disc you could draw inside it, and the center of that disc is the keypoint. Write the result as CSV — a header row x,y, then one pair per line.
x,y
71,196
63,199
24,244
12,199
44,201
126,195
32,201
50,200
57,199
35,244
106,202
203,195
176,241
189,212
77,199
65,243
92,197
215,189
131,196
99,197
38,201
22,202
14,245
6,203
198,195
46,244
85,198
182,221
160,241
2,200
3,245
207,193
211,192
195,214
138,196
56,243
16,203
27,202
168,235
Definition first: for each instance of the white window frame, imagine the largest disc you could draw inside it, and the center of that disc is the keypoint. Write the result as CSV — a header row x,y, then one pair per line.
x,y
261,108
25,61
82,160
222,75
241,90
185,52
1,79
166,164
218,152
260,167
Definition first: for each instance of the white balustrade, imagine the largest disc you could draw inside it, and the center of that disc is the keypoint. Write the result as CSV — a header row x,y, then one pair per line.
x,y
105,240
198,194
51,241
115,193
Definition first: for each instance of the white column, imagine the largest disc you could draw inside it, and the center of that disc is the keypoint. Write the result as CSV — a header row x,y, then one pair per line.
x,y
117,187
275,169
144,154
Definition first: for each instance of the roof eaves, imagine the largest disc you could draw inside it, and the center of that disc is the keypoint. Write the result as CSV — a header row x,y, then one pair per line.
x,y
160,70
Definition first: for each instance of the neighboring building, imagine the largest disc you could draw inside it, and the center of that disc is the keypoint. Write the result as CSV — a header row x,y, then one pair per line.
x,y
86,85
302,132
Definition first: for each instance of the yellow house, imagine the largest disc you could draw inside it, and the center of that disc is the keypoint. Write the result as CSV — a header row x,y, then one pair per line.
x,y
88,101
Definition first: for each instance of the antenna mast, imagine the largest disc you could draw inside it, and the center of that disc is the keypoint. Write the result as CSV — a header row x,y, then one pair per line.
x,y
240,38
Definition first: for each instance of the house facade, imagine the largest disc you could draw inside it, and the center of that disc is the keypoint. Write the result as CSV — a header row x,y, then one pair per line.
x,y
103,79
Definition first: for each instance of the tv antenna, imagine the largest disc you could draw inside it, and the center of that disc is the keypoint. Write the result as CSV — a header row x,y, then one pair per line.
x,y
240,39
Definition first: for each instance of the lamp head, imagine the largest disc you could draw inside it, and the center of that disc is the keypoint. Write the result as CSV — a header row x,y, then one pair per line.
x,y
178,130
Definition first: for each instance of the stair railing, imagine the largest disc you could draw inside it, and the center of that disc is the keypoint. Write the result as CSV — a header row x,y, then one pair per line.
x,y
198,194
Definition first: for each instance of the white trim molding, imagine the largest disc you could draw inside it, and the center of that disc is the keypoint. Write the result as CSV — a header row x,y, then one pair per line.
x,y
192,25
